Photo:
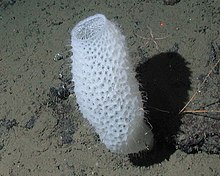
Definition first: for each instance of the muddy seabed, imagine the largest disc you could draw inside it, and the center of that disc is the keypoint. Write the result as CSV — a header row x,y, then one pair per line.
x,y
42,134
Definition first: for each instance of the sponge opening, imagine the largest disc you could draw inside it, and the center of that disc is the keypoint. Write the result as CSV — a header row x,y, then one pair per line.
x,y
89,28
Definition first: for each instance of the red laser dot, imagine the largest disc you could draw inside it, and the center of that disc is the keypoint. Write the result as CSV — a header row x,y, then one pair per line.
x,y
162,24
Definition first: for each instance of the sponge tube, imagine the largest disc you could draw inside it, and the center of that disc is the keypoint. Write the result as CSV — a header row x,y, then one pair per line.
x,y
105,86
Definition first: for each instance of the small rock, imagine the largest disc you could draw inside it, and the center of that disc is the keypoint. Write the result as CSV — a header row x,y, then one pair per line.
x,y
30,123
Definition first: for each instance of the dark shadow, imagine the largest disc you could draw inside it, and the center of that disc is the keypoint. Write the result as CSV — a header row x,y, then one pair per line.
x,y
164,78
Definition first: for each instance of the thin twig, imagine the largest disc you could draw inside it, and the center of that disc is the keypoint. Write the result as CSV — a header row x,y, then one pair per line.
x,y
198,90
152,38
201,111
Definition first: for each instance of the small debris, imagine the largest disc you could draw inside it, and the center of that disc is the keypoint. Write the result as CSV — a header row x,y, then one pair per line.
x,y
5,3
66,128
170,2
62,55
62,92
214,57
58,57
30,123
8,124
59,93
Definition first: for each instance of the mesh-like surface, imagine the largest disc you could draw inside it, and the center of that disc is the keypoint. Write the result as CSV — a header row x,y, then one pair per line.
x,y
105,85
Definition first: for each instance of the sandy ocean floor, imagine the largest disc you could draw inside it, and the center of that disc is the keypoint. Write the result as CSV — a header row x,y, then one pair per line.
x,y
39,135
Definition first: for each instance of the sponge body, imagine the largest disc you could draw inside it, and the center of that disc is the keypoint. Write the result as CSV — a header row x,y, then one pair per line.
x,y
105,86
